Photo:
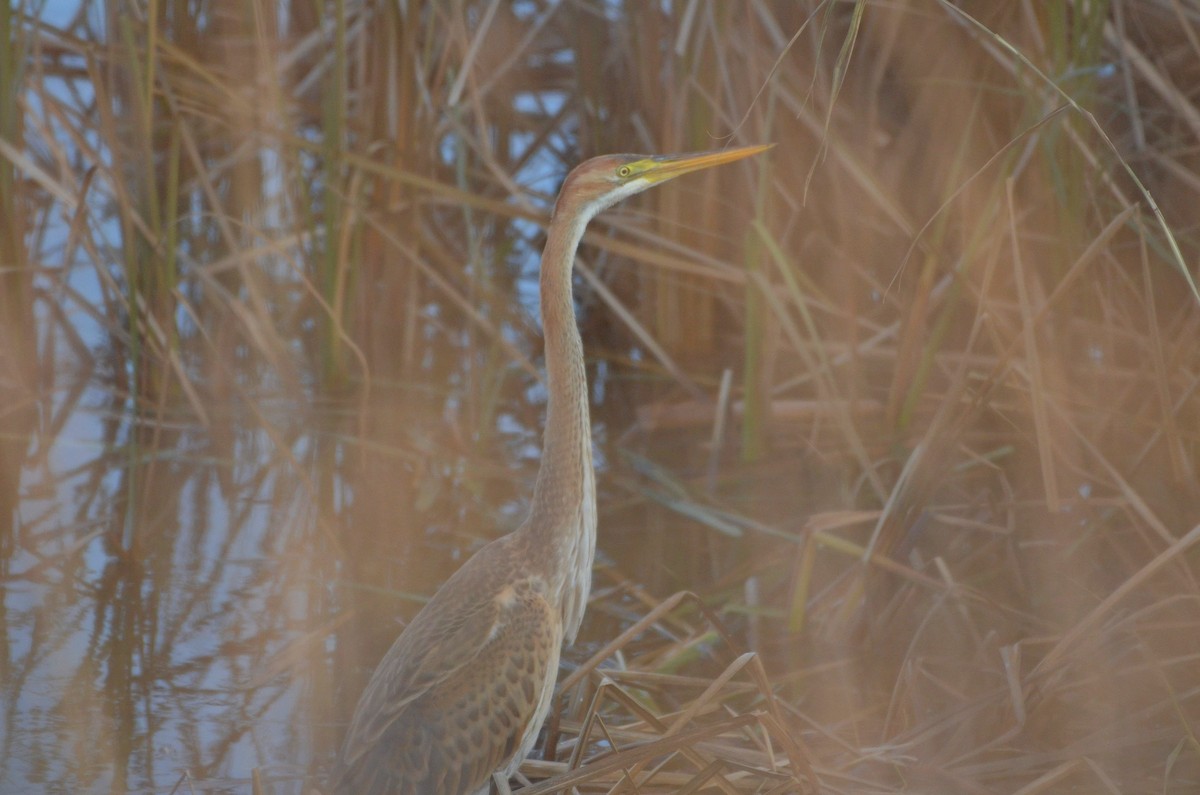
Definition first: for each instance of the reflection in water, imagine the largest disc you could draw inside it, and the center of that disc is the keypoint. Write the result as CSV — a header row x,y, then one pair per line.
x,y
201,601
205,560
266,377
151,568
174,592
198,601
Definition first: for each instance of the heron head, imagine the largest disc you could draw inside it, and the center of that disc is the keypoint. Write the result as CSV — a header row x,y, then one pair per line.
x,y
601,182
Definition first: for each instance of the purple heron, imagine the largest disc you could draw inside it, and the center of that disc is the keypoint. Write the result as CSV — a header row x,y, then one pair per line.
x,y
459,698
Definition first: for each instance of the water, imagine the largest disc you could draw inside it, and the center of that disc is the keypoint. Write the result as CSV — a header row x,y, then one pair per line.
x,y
185,602
218,526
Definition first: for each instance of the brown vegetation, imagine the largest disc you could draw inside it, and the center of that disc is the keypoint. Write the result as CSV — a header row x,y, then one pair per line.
x,y
911,406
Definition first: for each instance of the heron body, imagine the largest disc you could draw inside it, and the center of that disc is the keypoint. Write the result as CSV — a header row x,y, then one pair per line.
x,y
462,693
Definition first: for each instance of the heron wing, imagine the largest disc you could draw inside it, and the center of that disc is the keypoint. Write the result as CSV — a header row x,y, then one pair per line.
x,y
474,719
442,638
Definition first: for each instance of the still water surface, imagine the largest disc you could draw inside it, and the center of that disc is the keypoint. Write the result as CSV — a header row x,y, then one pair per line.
x,y
189,602
207,553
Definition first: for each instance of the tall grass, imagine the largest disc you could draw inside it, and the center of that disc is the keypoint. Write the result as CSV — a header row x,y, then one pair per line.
x,y
15,277
18,339
951,499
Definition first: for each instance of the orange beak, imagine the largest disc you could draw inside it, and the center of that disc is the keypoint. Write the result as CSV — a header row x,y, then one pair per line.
x,y
664,167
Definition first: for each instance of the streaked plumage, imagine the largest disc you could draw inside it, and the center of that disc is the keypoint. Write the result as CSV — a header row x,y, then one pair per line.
x,y
464,690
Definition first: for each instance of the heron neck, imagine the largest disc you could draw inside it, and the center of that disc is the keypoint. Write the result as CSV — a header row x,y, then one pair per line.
x,y
562,516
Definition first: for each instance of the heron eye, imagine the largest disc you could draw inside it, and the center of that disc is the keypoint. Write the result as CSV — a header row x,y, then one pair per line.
x,y
624,171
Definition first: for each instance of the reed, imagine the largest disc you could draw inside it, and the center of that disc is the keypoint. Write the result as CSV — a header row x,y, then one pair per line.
x,y
16,282
947,492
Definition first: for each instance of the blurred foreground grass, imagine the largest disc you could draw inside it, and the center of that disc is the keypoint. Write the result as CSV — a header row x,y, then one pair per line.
x,y
912,407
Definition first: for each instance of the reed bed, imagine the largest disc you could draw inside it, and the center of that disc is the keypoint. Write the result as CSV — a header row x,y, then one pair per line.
x,y
897,426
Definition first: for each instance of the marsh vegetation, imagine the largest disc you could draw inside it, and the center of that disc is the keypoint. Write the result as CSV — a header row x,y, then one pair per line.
x,y
909,409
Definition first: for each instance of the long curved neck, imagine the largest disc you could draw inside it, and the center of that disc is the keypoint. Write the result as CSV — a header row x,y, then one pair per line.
x,y
562,520
567,446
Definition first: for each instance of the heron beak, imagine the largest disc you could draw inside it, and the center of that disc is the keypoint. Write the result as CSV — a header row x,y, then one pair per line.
x,y
667,167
